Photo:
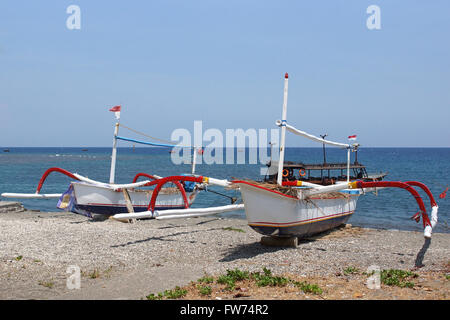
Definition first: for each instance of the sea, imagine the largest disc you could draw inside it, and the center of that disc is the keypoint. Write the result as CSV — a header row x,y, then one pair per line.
x,y
21,169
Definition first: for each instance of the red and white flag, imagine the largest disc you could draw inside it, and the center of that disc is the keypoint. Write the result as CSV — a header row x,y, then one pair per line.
x,y
353,137
116,110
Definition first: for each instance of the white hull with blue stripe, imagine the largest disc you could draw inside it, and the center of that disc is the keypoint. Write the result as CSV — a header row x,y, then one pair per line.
x,y
103,200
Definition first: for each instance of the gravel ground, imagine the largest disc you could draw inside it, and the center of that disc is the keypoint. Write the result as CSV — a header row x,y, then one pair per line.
x,y
129,261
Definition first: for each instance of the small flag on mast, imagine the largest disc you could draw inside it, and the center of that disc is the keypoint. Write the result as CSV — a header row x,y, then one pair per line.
x,y
116,110
353,137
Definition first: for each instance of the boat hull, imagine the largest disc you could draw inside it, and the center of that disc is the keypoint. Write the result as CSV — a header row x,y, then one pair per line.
x,y
275,214
106,201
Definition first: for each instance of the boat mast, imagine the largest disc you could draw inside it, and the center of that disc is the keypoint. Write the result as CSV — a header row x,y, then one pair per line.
x,y
283,131
194,159
324,156
348,164
114,149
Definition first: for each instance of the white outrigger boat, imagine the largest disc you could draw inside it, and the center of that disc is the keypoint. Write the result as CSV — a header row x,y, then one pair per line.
x,y
89,197
298,208
285,208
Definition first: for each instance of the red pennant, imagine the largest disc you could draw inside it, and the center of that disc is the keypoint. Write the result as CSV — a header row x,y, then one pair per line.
x,y
115,109
416,217
443,194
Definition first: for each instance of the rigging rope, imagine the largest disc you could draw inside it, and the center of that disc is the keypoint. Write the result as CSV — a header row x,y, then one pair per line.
x,y
151,143
145,135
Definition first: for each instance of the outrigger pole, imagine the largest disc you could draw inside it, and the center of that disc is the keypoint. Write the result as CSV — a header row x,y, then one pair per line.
x,y
194,159
114,149
348,164
283,131
116,110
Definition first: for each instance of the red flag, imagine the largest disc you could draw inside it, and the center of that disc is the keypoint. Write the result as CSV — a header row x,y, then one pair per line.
x,y
115,109
443,194
416,216
353,137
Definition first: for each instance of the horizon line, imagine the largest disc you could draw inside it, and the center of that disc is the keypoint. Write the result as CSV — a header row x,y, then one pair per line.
x,y
156,147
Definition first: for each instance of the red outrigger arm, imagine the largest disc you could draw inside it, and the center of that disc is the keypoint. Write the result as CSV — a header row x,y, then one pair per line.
x,y
159,183
141,174
407,186
174,179
428,225
424,188
433,204
177,183
46,173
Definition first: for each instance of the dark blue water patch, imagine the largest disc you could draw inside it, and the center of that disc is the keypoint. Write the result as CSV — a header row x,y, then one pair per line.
x,y
21,169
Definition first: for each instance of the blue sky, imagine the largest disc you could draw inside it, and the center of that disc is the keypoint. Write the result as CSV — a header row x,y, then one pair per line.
x,y
172,62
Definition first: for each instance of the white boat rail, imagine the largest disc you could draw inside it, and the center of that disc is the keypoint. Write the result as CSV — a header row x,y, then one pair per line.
x,y
313,137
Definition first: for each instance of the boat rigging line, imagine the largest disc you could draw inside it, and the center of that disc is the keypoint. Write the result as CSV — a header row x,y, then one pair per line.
x,y
145,135
233,199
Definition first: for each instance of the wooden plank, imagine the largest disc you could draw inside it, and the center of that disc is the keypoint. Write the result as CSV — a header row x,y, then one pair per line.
x,y
126,195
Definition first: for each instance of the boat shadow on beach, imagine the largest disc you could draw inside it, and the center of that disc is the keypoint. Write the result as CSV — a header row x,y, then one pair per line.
x,y
421,254
251,250
166,237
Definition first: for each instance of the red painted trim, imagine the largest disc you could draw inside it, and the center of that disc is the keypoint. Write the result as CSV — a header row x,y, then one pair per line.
x,y
46,173
123,205
334,198
402,185
424,188
284,223
289,183
175,179
259,187
281,194
141,174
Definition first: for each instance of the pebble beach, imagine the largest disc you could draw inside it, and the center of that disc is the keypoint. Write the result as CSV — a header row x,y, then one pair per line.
x,y
130,260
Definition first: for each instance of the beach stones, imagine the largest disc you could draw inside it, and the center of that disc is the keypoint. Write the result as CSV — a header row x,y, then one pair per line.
x,y
10,206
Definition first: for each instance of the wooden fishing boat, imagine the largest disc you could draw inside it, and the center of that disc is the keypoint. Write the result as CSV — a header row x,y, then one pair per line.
x,y
282,206
290,205
285,205
99,199
274,213
86,196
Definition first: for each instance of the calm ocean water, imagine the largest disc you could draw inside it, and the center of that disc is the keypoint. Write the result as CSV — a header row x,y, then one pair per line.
x,y
21,169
